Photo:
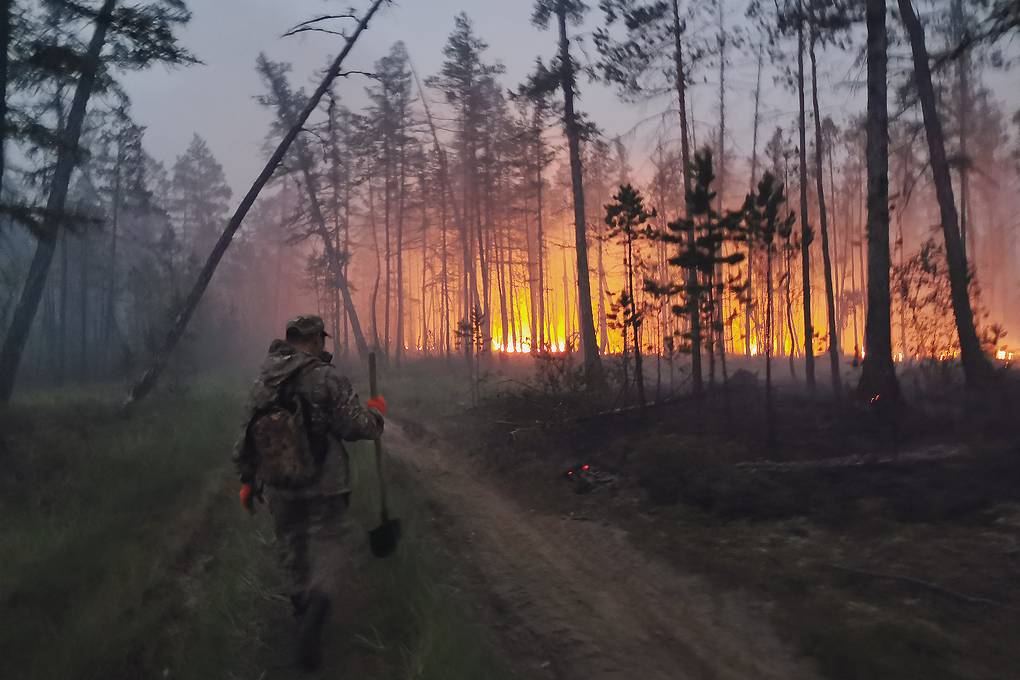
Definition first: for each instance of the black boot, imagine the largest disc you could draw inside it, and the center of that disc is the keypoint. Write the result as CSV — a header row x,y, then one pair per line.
x,y
310,630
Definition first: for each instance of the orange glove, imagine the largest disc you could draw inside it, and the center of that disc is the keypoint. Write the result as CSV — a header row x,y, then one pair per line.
x,y
245,495
377,403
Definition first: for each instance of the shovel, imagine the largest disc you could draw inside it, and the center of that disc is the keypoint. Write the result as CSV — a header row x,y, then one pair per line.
x,y
383,539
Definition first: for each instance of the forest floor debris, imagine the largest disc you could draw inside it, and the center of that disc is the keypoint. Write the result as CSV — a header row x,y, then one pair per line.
x,y
923,525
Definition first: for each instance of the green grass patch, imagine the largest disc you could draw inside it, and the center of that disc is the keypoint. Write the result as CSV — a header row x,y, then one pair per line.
x,y
97,508
126,556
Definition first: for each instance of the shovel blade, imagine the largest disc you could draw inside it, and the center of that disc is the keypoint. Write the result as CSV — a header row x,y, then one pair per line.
x,y
384,538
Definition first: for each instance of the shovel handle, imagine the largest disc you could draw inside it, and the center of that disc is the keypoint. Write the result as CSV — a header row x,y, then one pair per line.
x,y
373,387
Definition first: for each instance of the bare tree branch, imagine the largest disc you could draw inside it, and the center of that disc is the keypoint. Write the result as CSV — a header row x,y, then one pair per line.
x,y
307,25
314,30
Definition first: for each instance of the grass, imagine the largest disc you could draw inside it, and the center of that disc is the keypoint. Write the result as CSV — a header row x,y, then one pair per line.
x,y
96,509
125,555
437,643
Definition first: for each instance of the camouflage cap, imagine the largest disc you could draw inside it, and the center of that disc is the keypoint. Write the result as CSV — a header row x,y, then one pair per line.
x,y
306,325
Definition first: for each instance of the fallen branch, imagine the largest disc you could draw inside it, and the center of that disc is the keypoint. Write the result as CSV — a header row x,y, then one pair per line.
x,y
927,585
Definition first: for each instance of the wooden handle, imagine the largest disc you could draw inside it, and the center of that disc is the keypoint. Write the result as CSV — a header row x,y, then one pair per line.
x,y
373,387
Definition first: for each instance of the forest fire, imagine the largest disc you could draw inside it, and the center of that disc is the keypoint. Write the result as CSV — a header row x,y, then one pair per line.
x,y
486,248
746,271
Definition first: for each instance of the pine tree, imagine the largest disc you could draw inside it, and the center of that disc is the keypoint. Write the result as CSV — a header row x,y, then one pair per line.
x,y
704,255
123,37
200,196
656,45
390,120
827,22
465,79
628,220
534,94
121,172
565,68
764,220
285,102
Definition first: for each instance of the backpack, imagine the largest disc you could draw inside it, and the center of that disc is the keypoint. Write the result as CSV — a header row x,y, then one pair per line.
x,y
278,433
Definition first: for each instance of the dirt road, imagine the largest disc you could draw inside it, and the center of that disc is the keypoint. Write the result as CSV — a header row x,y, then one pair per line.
x,y
573,599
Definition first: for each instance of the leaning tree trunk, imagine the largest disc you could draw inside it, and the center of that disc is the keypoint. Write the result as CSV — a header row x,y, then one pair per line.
x,y
878,376
975,364
67,159
589,344
148,380
805,228
333,258
693,294
823,217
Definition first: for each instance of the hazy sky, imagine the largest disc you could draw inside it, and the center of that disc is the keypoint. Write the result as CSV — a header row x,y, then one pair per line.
x,y
216,99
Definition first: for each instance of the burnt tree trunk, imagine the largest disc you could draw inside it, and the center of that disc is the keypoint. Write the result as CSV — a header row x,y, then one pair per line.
x,y
401,204
878,376
540,235
589,344
976,366
693,294
376,342
823,218
754,175
805,226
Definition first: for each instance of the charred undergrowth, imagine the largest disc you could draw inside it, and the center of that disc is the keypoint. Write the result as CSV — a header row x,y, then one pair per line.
x,y
882,547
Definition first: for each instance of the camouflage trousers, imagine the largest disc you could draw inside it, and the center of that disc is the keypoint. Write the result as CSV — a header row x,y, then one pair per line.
x,y
312,543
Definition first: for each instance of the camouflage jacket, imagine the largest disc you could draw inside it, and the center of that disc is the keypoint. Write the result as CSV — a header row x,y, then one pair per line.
x,y
335,415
